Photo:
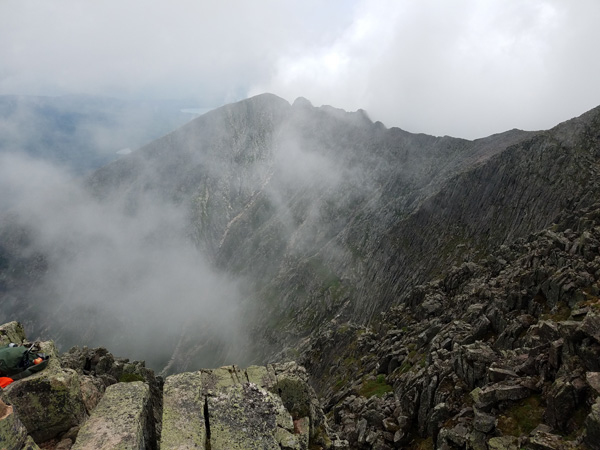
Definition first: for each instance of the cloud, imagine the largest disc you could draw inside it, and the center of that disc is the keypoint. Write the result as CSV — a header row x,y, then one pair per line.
x,y
464,68
180,49
120,275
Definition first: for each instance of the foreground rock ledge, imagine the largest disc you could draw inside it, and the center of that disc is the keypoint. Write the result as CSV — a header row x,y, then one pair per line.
x,y
119,421
268,407
78,402
48,402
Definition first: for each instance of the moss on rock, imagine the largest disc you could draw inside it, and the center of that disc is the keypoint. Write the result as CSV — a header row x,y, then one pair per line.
x,y
119,422
11,332
48,402
183,421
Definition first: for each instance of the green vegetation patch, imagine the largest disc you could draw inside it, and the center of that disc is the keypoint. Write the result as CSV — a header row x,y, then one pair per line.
x,y
130,377
377,387
522,418
422,444
562,312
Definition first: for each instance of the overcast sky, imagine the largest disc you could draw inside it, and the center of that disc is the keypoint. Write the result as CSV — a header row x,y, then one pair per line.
x,y
465,68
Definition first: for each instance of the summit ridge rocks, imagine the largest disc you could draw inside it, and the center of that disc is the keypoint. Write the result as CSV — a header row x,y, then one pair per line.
x,y
511,359
227,408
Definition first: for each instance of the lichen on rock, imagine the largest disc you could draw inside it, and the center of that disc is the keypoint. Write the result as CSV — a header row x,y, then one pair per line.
x,y
48,402
120,421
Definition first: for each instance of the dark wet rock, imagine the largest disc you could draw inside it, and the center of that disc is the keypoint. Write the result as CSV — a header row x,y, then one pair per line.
x,y
591,325
502,392
496,374
593,380
592,427
562,402
483,422
472,361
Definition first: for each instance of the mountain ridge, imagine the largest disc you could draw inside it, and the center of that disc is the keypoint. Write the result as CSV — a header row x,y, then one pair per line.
x,y
317,209
438,290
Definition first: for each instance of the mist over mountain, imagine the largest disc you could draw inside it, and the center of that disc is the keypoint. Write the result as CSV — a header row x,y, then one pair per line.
x,y
248,229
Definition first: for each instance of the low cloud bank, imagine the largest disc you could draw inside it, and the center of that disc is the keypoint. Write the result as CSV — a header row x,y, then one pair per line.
x,y
121,276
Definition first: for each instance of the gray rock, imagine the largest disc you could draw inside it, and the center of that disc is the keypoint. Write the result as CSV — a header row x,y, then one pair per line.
x,y
439,414
544,440
483,422
592,427
496,374
119,421
92,390
472,361
13,434
48,402
457,435
362,431
501,392
503,443
561,403
183,421
593,380
64,444
222,409
390,424
11,332
477,440
591,325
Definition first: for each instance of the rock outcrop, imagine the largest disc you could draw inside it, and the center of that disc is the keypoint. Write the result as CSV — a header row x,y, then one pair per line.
x,y
89,399
509,361
120,420
228,408
13,434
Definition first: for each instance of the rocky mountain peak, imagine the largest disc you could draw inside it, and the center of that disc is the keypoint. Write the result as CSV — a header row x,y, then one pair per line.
x,y
302,102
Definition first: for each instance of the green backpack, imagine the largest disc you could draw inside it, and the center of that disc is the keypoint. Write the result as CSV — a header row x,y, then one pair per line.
x,y
18,362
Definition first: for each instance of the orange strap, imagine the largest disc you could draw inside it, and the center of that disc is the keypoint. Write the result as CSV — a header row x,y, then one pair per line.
x,y
5,381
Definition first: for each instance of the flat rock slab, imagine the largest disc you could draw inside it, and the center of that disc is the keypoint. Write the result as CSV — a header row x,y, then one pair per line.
x,y
246,417
183,423
501,392
120,420
228,409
